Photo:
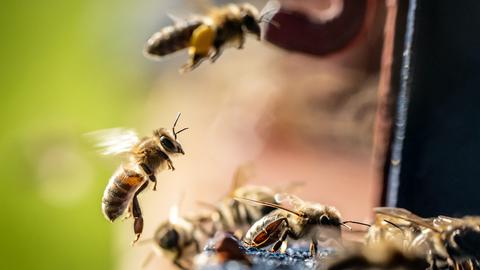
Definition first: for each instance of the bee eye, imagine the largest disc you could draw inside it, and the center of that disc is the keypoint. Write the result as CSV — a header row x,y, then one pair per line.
x,y
324,220
169,239
168,144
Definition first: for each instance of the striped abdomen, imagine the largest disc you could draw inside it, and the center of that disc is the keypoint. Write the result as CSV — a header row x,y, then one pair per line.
x,y
171,38
119,192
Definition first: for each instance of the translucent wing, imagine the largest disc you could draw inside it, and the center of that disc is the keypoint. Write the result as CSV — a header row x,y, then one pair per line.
x,y
114,141
174,214
289,199
403,214
175,19
241,176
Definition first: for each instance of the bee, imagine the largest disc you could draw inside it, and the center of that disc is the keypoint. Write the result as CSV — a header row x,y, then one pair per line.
x,y
446,241
305,221
179,238
146,158
206,36
380,255
234,216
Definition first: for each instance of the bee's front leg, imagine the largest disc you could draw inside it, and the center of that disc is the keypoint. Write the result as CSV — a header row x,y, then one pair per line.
x,y
137,214
280,241
176,261
150,174
170,165
179,265
313,247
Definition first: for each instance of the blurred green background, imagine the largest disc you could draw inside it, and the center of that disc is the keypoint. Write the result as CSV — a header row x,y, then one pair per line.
x,y
67,67
71,67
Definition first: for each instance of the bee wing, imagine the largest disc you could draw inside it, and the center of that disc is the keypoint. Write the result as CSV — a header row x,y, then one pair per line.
x,y
175,19
114,141
406,215
293,200
444,221
241,176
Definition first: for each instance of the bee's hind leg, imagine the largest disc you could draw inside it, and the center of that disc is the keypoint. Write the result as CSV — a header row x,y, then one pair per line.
x,y
137,214
194,61
215,54
241,42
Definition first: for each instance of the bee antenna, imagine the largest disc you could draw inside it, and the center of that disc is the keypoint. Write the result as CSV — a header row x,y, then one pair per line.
x,y
356,222
394,225
175,123
183,129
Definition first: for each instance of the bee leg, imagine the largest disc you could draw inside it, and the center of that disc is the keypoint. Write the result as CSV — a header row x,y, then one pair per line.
x,y
313,248
137,214
241,42
170,164
194,61
215,55
280,241
197,245
150,174
176,260
129,212
179,265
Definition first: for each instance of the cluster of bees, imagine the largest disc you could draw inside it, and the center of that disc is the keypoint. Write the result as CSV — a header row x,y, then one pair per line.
x,y
262,217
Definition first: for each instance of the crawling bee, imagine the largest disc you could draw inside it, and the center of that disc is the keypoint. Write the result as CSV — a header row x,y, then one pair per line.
x,y
385,255
179,239
305,221
146,157
235,216
446,241
207,36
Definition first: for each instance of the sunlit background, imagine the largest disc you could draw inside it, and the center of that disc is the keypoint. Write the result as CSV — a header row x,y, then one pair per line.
x,y
71,67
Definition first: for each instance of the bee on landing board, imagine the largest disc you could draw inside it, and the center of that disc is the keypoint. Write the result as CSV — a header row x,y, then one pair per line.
x,y
383,255
447,242
179,239
306,221
206,36
234,216
146,157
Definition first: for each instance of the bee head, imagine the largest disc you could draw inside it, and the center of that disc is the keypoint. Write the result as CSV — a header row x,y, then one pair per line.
x,y
167,237
327,216
168,139
250,19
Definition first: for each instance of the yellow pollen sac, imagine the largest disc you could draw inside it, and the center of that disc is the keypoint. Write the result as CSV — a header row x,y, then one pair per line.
x,y
202,39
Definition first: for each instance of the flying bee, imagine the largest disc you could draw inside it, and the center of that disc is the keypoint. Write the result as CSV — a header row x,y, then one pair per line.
x,y
305,221
206,36
448,242
146,158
